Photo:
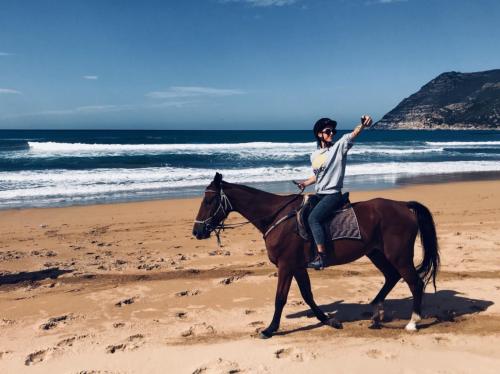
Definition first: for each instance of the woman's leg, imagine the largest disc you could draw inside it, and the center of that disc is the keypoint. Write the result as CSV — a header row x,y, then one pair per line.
x,y
323,210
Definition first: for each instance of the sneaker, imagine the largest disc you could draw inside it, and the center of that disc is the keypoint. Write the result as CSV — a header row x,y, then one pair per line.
x,y
319,262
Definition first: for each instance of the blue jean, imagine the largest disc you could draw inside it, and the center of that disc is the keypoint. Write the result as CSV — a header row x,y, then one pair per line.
x,y
326,206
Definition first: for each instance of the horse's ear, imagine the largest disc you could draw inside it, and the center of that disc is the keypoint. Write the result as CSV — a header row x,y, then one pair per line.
x,y
217,180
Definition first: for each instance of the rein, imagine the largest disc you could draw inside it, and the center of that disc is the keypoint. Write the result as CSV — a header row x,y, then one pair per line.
x,y
226,207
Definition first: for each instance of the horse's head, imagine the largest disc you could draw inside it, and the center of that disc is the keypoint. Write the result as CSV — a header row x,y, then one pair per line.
x,y
214,209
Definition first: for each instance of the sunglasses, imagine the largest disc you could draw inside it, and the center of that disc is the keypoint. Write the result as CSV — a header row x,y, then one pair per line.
x,y
328,131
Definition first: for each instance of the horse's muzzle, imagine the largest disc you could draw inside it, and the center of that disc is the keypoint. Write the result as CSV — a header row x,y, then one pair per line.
x,y
200,231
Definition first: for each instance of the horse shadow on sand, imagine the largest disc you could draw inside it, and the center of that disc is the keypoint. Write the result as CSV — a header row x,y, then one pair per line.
x,y
439,307
31,276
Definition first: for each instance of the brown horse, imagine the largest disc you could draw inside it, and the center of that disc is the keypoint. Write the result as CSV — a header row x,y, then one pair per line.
x,y
388,229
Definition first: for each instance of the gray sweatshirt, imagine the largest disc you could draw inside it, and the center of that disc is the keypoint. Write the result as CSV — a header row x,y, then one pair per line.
x,y
329,165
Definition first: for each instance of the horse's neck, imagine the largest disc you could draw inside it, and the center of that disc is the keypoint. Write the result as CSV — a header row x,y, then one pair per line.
x,y
256,206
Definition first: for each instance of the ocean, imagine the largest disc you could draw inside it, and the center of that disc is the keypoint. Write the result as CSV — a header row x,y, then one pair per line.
x,y
72,167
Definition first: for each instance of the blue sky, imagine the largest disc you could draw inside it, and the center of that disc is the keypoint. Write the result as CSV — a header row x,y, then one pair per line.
x,y
240,64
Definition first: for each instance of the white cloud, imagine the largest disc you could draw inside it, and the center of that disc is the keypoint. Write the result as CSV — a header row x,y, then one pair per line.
x,y
9,91
92,109
385,1
102,108
263,3
167,104
193,91
91,77
3,54
70,111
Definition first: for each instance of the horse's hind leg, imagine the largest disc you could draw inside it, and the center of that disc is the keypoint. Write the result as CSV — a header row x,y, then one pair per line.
x,y
392,277
416,285
403,262
302,278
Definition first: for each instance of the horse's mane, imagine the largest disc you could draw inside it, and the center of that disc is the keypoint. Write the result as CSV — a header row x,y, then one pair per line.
x,y
255,190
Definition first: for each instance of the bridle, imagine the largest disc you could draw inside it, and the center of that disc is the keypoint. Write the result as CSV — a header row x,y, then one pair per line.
x,y
226,207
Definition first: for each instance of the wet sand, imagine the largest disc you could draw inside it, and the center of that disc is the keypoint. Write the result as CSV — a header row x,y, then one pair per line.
x,y
125,288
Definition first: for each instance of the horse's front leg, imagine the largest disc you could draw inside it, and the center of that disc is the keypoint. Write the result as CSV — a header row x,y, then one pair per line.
x,y
302,278
285,276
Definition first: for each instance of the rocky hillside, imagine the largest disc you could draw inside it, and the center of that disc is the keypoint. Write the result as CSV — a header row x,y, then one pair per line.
x,y
450,101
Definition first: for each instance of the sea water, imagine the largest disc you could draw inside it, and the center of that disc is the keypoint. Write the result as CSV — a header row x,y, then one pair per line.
x,y
57,168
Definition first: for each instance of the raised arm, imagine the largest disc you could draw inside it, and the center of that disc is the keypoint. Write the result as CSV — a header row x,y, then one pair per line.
x,y
366,121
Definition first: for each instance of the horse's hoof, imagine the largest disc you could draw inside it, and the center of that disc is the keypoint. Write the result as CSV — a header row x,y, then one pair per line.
x,y
411,327
332,322
265,335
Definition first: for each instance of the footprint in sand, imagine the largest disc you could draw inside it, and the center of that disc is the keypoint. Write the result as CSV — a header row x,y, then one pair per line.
x,y
133,342
219,252
256,323
375,353
36,357
114,348
44,354
128,301
4,353
7,322
200,329
181,315
56,321
232,278
228,280
70,341
218,366
188,293
293,354
441,340
282,352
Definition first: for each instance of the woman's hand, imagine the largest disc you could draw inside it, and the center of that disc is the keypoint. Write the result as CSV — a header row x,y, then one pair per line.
x,y
300,185
366,121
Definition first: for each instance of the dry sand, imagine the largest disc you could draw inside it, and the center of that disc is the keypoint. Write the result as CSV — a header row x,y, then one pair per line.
x,y
124,288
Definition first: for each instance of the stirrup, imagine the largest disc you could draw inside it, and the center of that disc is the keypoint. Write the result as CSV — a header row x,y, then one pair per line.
x,y
319,262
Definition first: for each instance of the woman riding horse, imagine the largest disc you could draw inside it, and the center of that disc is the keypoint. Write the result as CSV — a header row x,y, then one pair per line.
x,y
328,163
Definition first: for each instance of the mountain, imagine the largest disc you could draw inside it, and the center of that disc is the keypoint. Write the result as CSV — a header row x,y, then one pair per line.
x,y
453,101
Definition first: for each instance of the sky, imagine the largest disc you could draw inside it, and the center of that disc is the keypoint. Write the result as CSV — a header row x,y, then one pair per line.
x,y
229,64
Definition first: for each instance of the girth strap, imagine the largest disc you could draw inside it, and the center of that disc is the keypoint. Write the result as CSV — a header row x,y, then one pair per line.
x,y
282,219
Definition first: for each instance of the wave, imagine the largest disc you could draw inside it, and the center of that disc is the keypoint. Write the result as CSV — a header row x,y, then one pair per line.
x,y
251,150
32,185
392,151
54,147
461,144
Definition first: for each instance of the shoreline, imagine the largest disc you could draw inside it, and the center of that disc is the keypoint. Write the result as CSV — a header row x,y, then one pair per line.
x,y
359,184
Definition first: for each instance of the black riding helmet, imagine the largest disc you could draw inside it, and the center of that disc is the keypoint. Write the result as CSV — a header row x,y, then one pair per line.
x,y
321,124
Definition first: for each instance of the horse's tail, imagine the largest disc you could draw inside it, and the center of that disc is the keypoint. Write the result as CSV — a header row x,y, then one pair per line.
x,y
430,264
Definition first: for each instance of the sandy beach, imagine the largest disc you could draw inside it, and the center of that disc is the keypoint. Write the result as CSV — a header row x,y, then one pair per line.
x,y
125,288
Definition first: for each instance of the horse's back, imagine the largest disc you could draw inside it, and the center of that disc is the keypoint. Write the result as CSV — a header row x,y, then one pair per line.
x,y
386,212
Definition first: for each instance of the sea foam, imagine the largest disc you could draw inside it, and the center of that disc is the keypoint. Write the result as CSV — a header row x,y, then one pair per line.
x,y
67,183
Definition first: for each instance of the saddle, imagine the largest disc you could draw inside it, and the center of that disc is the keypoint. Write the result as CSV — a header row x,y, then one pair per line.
x,y
341,224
